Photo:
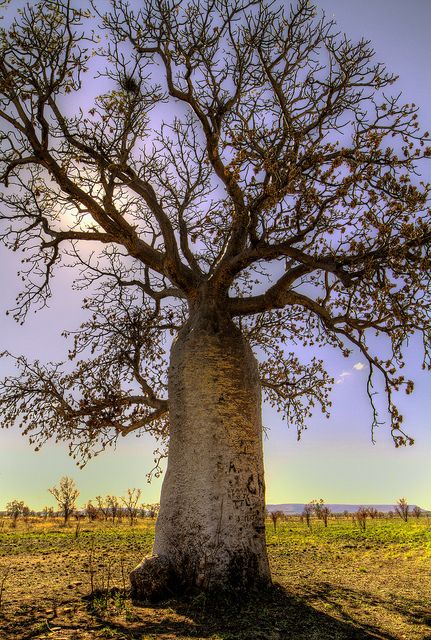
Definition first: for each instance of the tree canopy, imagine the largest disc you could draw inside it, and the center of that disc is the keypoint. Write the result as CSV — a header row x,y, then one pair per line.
x,y
240,155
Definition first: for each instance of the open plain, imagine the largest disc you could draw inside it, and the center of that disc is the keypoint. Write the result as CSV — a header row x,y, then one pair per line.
x,y
339,582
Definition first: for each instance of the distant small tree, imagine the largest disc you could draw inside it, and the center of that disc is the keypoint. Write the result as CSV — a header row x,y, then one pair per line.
x,y
102,507
275,516
26,513
131,503
114,507
16,508
91,511
373,513
150,510
321,510
361,517
402,509
66,495
317,506
325,513
416,511
307,513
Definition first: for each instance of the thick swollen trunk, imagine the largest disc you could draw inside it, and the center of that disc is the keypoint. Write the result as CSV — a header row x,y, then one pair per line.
x,y
210,532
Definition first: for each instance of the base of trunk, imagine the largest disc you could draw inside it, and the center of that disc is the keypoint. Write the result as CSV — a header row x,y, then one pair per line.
x,y
155,578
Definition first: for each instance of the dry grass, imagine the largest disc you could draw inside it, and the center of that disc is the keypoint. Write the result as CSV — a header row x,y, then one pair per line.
x,y
336,584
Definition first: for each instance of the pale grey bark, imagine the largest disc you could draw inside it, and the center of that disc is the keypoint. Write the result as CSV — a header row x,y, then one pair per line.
x,y
210,532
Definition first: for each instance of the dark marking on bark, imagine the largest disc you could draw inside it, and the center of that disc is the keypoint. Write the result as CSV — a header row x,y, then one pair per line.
x,y
232,468
243,446
251,487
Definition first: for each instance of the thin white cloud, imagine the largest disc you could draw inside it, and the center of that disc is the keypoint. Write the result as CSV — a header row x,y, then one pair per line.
x,y
359,366
342,377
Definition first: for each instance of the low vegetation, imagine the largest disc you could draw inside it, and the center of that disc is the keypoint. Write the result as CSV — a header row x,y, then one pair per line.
x,y
340,581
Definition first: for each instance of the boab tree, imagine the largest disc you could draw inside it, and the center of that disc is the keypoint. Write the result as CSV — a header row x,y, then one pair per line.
x,y
244,181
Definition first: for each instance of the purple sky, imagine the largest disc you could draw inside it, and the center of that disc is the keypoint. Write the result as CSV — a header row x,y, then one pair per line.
x,y
335,459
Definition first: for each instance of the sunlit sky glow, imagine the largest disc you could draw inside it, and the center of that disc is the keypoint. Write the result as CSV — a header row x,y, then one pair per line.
x,y
335,459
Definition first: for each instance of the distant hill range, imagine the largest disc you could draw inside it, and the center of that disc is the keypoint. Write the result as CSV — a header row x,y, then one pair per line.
x,y
297,509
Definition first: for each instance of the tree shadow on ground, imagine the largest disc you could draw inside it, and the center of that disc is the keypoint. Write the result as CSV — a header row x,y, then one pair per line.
x,y
414,611
274,615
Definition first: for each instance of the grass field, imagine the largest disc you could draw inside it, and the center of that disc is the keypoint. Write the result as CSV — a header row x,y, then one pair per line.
x,y
331,583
